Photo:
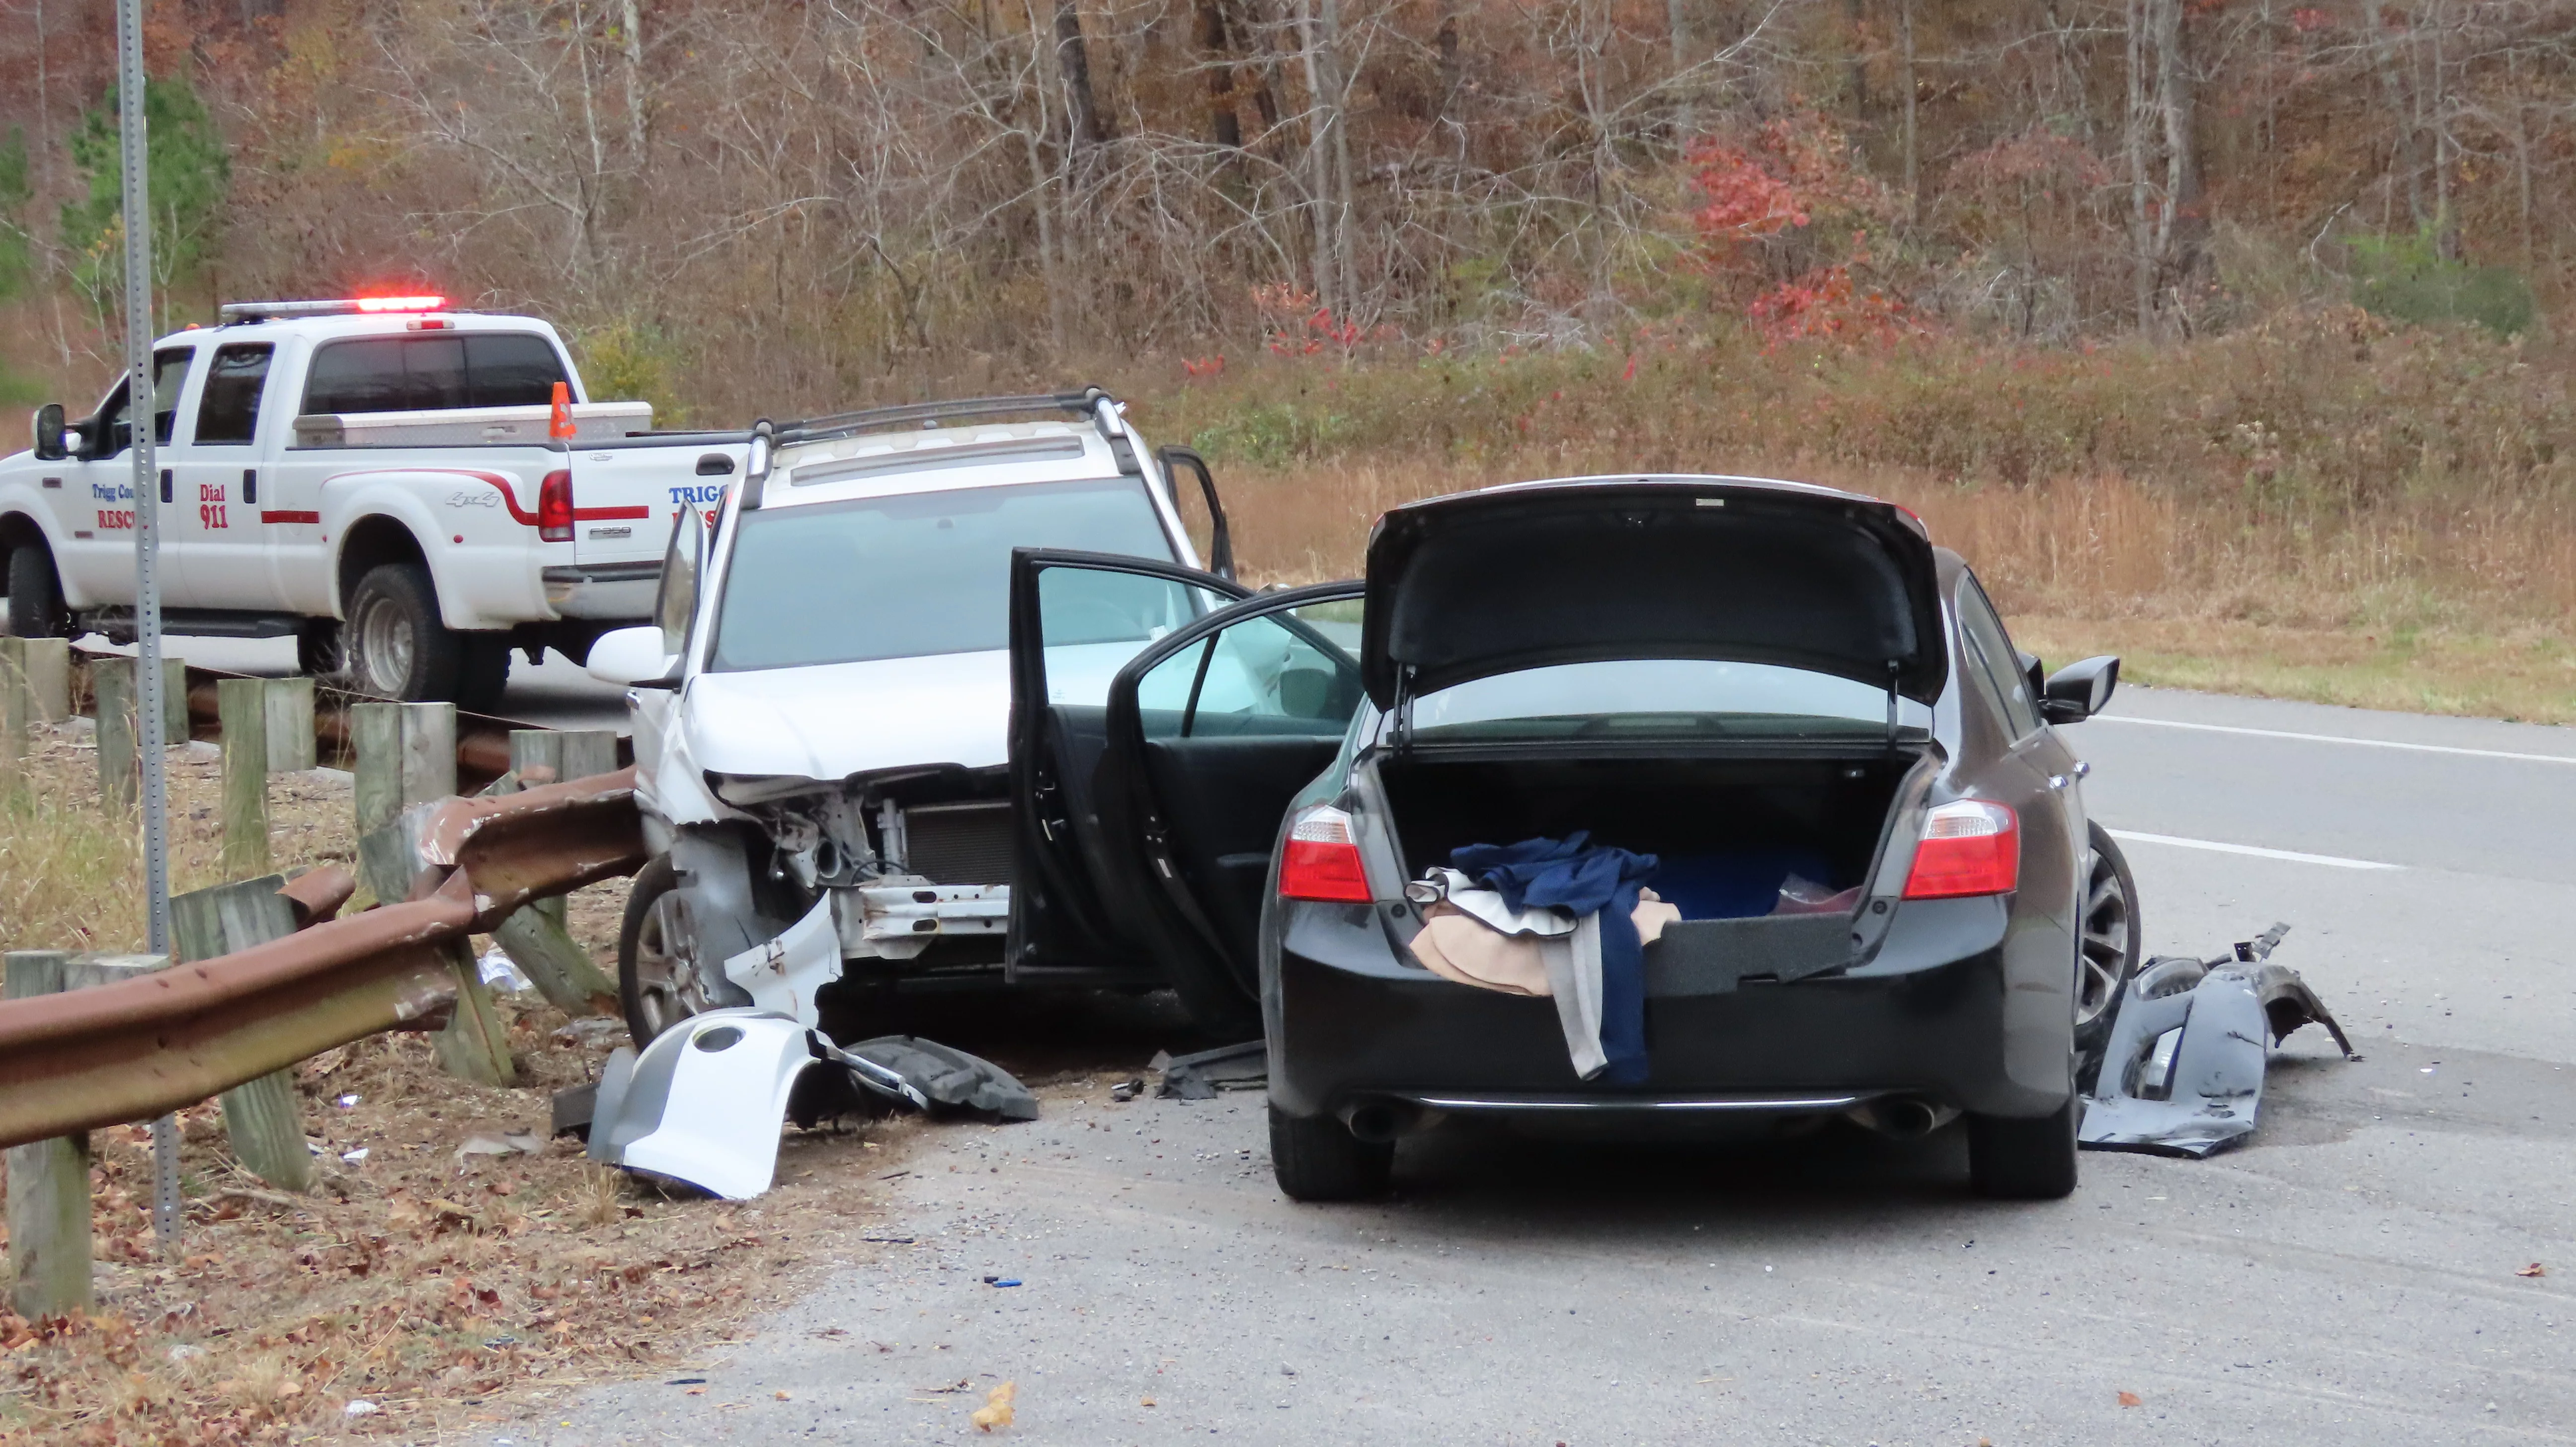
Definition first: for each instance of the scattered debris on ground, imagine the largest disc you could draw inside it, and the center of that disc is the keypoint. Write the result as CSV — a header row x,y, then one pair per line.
x,y
2183,1072
702,1104
1202,1075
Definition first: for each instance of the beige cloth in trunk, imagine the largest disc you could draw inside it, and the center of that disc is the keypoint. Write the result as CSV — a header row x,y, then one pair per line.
x,y
1456,945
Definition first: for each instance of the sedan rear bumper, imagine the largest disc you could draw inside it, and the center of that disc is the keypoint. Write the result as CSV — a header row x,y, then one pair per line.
x,y
1937,1013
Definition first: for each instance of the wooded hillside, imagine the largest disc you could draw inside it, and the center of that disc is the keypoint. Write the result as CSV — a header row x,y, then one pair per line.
x,y
761,207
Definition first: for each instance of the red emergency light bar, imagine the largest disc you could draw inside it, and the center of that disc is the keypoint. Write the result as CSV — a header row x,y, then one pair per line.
x,y
254,311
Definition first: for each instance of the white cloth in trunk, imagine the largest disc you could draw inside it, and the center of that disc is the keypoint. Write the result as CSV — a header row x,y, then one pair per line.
x,y
1474,938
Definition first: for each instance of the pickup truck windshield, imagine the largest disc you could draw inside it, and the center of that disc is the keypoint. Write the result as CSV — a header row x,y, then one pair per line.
x,y
908,575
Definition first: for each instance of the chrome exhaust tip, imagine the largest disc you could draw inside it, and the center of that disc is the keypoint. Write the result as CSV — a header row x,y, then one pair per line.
x,y
1378,1122
1902,1117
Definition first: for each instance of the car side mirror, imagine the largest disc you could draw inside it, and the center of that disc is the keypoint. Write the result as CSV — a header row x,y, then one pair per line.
x,y
2079,690
50,445
633,658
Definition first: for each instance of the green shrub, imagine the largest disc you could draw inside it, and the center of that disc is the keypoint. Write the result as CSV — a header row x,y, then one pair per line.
x,y
2407,279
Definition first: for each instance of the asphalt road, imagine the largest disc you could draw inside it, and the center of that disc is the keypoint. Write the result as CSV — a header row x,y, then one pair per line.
x,y
2348,1277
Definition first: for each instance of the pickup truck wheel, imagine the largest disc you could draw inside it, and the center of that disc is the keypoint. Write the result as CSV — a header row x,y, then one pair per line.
x,y
657,984
1317,1158
36,595
482,672
317,648
397,647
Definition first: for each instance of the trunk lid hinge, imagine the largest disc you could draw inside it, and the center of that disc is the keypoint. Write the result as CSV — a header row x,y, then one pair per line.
x,y
1894,667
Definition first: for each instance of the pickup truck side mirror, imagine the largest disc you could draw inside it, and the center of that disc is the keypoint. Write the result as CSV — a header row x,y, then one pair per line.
x,y
2079,690
50,445
633,658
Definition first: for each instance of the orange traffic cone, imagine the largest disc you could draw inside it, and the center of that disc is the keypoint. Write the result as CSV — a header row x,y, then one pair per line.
x,y
560,424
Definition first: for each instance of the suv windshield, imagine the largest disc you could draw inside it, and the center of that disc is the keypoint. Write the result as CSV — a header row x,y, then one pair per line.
x,y
908,575
1659,698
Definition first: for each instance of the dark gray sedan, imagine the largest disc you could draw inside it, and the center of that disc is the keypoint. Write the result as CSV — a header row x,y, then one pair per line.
x,y
1598,800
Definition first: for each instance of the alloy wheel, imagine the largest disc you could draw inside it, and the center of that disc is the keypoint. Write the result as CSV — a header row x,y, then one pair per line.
x,y
2104,954
667,989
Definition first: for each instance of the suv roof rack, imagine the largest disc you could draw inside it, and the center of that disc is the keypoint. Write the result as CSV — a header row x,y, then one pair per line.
x,y
1083,402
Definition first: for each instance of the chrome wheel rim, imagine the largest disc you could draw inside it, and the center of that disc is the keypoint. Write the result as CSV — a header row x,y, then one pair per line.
x,y
666,982
2102,957
383,654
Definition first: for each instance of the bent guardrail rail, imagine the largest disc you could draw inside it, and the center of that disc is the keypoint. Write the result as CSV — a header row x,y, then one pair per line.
x,y
140,1048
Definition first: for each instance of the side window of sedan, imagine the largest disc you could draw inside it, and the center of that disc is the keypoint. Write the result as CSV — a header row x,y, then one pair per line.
x,y
1276,673
1993,651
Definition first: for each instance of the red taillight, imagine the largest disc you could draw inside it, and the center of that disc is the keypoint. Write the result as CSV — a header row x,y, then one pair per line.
x,y
554,508
1972,846
1322,861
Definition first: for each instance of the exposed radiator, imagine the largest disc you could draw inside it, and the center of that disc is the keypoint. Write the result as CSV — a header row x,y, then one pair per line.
x,y
959,843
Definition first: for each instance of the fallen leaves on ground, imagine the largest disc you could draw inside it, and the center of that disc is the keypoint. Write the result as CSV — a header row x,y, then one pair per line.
x,y
421,1281
996,1411
2534,1269
2131,1399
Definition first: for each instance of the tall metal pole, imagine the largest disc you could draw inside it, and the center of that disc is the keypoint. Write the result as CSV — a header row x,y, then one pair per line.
x,y
142,407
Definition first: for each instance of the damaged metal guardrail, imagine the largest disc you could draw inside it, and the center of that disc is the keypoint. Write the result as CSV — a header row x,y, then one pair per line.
x,y
139,1048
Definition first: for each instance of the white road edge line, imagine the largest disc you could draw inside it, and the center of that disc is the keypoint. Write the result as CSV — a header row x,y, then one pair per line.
x,y
2295,857
2166,723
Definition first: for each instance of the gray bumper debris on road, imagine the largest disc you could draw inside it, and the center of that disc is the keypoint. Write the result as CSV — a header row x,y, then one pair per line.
x,y
703,1103
2183,1072
1201,1075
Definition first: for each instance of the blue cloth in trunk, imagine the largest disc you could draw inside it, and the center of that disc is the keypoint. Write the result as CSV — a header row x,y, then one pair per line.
x,y
1573,875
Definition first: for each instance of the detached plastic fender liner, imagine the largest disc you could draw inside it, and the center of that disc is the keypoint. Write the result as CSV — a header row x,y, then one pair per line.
x,y
704,1102
2183,1072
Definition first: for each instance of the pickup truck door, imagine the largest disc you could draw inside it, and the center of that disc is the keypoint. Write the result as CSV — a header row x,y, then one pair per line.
x,y
216,467
97,496
1076,620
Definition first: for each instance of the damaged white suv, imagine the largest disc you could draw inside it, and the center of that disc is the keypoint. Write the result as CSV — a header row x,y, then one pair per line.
x,y
822,710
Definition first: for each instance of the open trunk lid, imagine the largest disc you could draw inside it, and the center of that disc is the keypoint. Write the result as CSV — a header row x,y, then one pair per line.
x,y
1594,569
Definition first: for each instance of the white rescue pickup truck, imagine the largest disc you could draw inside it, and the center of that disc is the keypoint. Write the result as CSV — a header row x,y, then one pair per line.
x,y
384,479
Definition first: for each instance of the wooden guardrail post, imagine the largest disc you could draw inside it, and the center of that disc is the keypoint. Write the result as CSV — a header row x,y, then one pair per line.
x,y
260,1117
111,695
536,937
242,704
289,706
406,755
49,1245
111,690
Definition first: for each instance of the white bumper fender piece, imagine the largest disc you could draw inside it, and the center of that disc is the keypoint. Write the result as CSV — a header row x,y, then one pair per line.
x,y
782,975
704,1102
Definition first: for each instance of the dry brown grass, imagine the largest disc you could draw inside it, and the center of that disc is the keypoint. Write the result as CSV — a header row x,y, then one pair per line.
x,y
444,1290
2320,508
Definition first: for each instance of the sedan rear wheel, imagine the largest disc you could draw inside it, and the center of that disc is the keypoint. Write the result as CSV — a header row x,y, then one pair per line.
x,y
1316,1158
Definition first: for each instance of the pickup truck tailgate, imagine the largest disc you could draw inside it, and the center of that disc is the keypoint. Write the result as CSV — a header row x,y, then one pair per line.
x,y
625,498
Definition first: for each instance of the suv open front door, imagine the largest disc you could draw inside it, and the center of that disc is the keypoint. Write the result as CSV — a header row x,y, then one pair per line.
x,y
1077,619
